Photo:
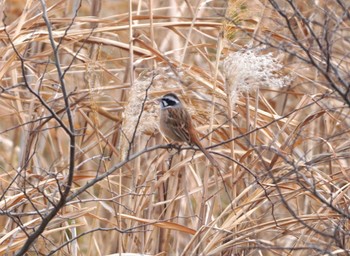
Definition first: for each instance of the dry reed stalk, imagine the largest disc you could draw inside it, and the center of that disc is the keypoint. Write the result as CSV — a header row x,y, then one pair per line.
x,y
284,150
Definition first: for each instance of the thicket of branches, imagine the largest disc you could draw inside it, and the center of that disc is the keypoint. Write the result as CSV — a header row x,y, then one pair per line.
x,y
85,170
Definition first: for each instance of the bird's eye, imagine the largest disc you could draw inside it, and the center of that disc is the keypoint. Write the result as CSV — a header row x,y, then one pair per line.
x,y
171,101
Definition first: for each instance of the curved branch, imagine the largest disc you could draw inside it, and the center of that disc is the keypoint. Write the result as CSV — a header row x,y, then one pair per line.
x,y
69,130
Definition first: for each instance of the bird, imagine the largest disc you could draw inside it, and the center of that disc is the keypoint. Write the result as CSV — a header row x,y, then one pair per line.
x,y
176,124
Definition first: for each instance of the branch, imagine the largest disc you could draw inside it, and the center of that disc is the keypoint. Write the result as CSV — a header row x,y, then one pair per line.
x,y
69,130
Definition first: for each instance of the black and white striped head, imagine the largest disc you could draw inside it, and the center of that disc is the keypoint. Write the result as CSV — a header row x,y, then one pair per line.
x,y
170,100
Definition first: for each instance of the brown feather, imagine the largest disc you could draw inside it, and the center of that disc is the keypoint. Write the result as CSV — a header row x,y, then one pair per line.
x,y
176,124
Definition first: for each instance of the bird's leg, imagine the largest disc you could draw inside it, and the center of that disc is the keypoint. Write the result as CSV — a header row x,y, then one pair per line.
x,y
175,145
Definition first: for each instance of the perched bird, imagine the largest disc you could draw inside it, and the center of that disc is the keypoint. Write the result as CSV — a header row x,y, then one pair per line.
x,y
176,124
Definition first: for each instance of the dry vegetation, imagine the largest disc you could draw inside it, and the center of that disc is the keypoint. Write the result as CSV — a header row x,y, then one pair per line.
x,y
85,171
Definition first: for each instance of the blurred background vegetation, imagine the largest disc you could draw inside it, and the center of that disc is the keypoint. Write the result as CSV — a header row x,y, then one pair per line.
x,y
266,83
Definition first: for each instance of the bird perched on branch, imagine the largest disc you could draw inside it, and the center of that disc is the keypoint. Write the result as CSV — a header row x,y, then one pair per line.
x,y
176,124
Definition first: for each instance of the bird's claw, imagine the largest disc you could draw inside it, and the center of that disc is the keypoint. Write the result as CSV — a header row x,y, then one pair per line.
x,y
175,146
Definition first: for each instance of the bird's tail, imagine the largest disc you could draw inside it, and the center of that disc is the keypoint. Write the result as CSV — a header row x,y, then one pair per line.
x,y
208,155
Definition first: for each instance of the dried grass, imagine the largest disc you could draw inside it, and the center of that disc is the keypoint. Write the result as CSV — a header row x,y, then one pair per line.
x,y
284,150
